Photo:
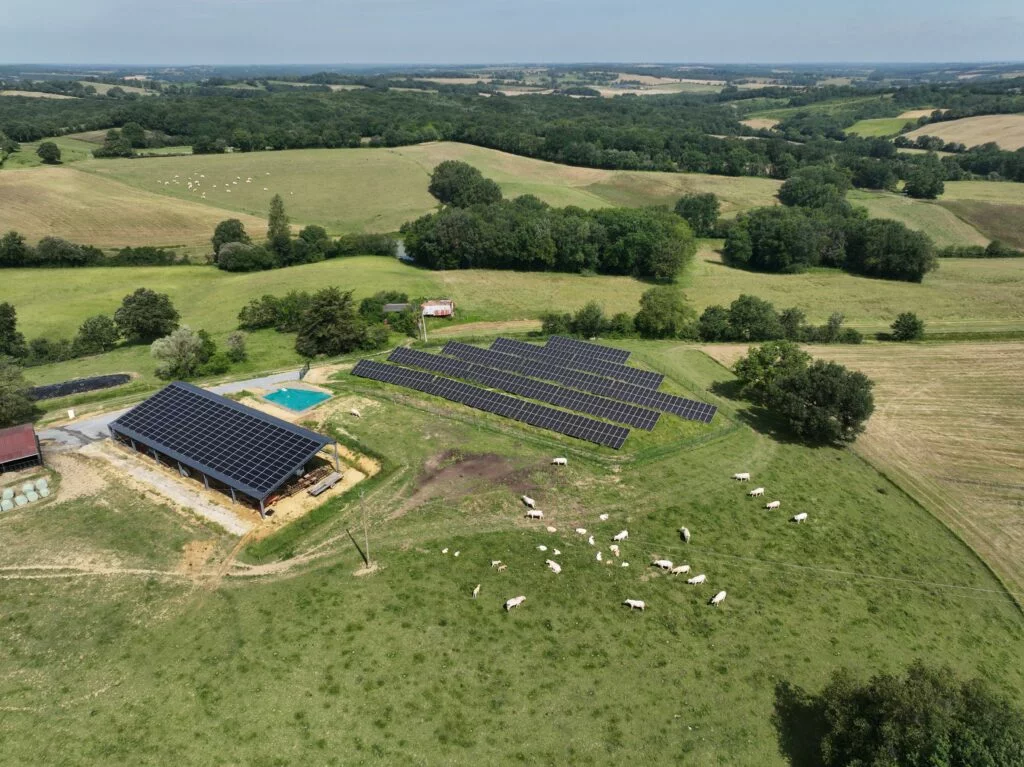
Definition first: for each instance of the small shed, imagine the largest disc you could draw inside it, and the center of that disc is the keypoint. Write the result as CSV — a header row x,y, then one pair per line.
x,y
438,307
19,448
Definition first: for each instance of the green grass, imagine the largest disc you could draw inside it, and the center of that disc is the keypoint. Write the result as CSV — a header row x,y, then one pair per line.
x,y
72,150
996,220
823,107
879,126
403,667
941,224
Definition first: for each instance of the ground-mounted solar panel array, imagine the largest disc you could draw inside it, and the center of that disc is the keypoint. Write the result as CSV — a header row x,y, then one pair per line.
x,y
569,374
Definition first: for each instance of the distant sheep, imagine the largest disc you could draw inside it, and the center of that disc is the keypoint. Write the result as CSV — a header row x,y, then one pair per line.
x,y
717,599
551,529
614,549
542,547
757,491
664,564
456,553
556,552
528,502
535,514
514,602
356,413
559,461
697,579
684,533
620,536
553,566
680,570
802,516
624,564
444,551
773,504
636,604
743,476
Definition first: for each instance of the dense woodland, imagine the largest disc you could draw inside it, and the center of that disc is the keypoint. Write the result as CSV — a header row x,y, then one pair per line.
x,y
697,133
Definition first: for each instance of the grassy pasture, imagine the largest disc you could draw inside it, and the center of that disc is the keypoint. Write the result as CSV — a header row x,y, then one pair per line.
x,y
947,428
1005,130
90,209
997,221
36,95
72,150
313,666
879,126
941,224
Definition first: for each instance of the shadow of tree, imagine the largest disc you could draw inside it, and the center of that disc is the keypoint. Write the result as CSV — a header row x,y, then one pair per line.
x,y
799,721
760,419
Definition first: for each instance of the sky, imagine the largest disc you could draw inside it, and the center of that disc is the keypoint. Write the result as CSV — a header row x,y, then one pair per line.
x,y
221,32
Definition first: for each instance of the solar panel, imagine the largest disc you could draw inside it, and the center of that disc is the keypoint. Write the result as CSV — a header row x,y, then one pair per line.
x,y
667,403
582,348
644,378
241,447
610,409
570,424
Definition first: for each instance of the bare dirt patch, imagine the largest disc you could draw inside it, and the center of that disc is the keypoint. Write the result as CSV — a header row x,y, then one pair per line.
x,y
80,476
196,555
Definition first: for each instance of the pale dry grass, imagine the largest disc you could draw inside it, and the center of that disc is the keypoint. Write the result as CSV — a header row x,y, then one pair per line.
x,y
81,207
947,428
760,122
1005,130
36,95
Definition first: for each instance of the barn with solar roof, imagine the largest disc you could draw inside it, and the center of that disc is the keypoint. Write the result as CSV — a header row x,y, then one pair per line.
x,y
229,447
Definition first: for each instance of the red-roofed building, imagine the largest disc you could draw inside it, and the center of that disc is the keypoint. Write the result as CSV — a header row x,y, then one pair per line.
x,y
19,448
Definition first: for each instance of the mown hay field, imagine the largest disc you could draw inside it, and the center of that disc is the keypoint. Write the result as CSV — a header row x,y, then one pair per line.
x,y
121,653
940,223
947,428
1005,130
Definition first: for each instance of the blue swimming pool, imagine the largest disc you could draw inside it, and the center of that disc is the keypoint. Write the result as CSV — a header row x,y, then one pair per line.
x,y
297,399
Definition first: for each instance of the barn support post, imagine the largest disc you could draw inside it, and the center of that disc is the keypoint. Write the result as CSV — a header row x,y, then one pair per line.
x,y
151,450
234,500
133,444
206,482
263,513
181,471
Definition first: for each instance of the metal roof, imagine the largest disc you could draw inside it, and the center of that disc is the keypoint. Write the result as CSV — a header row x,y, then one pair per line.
x,y
242,447
18,442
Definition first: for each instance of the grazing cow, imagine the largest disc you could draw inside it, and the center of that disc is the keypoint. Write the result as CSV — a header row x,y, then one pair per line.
x,y
356,413
556,552
743,476
542,547
773,504
684,533
637,604
514,602
624,564
476,591
590,540
717,599
551,529
456,553
599,556
800,517
620,536
528,501
603,517
664,564
680,570
614,549
535,514
559,461
495,563
502,568
697,579
581,531
553,566
757,491
444,550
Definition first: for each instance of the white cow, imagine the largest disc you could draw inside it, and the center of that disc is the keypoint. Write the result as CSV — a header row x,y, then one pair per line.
x,y
495,563
717,599
680,570
800,517
528,501
444,550
756,492
684,533
456,553
559,461
502,568
697,579
637,604
664,564
476,591
743,476
620,536
624,564
603,517
542,547
514,602
356,413
553,566
590,540
535,514
599,556
614,549
551,529
773,504
581,531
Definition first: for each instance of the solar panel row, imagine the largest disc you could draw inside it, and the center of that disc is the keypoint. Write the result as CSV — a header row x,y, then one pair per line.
x,y
245,447
644,378
583,349
667,403
544,417
613,410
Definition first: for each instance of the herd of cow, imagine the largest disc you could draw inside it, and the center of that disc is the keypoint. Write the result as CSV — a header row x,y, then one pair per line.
x,y
757,492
